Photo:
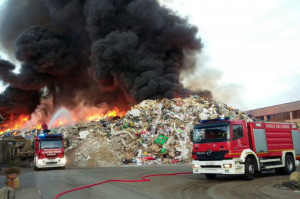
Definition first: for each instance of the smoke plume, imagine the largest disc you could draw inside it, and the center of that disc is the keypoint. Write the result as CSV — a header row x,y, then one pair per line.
x,y
91,52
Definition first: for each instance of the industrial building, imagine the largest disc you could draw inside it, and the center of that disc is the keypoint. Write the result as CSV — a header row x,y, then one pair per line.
x,y
288,112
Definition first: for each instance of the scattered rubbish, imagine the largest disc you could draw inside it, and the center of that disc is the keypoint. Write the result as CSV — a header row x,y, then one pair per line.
x,y
152,132
161,139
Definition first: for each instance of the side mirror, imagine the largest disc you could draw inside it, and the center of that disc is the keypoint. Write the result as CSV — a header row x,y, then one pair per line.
x,y
192,135
66,143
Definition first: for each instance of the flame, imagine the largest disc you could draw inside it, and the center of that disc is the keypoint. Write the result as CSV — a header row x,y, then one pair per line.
x,y
38,127
14,123
92,114
110,114
115,112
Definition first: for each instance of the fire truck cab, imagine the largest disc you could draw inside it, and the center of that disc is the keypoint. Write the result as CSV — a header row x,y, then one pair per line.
x,y
49,151
224,146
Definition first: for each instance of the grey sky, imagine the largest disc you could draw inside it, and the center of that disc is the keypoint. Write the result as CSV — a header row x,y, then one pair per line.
x,y
254,43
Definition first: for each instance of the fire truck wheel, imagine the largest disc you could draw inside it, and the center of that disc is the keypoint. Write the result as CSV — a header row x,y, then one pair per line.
x,y
249,169
289,165
36,169
210,176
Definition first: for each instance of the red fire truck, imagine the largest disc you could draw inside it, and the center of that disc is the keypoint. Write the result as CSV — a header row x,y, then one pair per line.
x,y
224,146
49,151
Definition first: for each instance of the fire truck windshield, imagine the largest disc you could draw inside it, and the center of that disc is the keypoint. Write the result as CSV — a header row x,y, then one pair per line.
x,y
208,133
51,144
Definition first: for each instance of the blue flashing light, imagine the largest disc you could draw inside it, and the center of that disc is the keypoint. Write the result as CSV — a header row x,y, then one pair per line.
x,y
213,120
43,135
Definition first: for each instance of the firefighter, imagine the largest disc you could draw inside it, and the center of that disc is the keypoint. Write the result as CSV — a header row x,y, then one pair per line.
x,y
45,128
210,135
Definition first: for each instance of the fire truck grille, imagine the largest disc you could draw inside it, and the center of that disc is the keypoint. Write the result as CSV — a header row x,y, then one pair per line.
x,y
211,166
51,162
214,155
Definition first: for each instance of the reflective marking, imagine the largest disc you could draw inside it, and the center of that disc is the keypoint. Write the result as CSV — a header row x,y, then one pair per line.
x,y
281,150
234,153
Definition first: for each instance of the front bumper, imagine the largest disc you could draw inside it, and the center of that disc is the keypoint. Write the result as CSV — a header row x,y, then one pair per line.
x,y
47,163
218,167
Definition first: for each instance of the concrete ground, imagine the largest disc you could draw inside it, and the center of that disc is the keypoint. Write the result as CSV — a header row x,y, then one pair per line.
x,y
46,184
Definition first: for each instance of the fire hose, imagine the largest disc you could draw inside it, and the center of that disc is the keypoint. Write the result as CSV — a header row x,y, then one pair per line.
x,y
144,178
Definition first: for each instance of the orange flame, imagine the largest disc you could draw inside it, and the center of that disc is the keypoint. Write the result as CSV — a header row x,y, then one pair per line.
x,y
14,124
113,113
38,127
94,114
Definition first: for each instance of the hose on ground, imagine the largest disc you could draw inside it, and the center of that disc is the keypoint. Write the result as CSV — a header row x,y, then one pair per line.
x,y
144,178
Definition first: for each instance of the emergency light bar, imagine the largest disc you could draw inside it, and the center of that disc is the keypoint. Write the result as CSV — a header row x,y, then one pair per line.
x,y
214,120
49,135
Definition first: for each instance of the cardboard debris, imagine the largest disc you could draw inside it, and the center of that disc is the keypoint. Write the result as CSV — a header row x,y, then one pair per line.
x,y
152,132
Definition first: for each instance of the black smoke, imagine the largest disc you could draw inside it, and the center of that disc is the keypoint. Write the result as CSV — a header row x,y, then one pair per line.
x,y
90,51
14,100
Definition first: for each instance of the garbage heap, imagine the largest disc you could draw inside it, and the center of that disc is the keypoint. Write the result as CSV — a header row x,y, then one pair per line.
x,y
152,132
16,147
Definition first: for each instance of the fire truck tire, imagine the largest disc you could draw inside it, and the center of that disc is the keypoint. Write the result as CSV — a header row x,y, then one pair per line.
x,y
289,165
36,169
210,176
249,169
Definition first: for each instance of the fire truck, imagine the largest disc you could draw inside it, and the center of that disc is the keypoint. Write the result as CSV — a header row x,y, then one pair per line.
x,y
49,151
224,146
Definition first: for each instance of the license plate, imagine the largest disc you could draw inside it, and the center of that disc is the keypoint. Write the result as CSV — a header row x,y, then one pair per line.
x,y
51,162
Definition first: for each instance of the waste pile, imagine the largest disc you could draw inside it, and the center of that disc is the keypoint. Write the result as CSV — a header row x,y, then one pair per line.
x,y
17,147
152,132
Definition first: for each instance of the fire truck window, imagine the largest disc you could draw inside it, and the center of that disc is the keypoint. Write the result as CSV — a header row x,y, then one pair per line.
x,y
53,144
237,131
198,135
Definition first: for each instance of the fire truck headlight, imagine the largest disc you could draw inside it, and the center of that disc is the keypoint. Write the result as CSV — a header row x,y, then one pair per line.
x,y
196,166
63,160
227,166
40,162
